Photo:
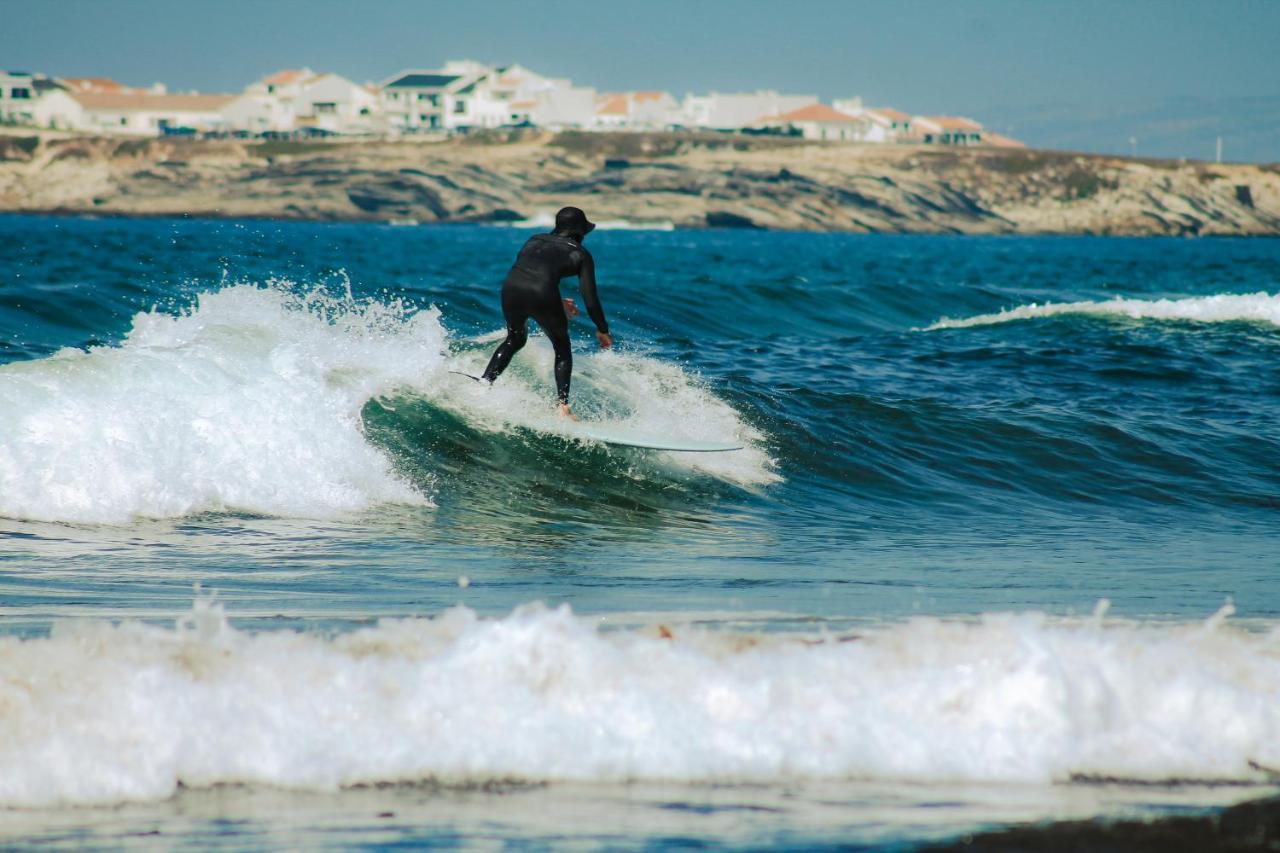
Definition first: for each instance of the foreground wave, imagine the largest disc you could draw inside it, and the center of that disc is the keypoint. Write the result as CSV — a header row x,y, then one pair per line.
x,y
101,713
252,401
1220,308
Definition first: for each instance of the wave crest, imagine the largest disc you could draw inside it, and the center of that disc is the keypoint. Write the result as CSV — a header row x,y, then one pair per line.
x,y
1221,308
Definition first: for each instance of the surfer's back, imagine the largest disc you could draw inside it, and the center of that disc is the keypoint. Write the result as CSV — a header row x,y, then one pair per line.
x,y
547,258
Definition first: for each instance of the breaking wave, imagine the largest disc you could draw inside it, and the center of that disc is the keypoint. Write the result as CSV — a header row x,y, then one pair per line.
x,y
101,713
252,400
1221,308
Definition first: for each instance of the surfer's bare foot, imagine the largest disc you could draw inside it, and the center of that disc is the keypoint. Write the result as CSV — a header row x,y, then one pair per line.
x,y
565,413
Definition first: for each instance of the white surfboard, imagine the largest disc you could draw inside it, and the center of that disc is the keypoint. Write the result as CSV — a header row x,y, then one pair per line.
x,y
607,434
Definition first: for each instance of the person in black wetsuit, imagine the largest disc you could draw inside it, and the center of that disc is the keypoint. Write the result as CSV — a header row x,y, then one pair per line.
x,y
532,289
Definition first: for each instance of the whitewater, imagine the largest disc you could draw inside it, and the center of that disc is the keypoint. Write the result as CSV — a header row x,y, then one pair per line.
x,y
105,713
252,401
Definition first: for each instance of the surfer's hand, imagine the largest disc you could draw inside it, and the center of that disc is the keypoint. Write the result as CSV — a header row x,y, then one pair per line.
x,y
570,309
604,339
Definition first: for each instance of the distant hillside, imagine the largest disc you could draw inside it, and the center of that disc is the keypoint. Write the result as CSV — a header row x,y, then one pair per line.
x,y
693,180
1182,127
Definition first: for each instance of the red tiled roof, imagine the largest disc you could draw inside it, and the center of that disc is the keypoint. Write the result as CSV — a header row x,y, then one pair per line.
x,y
94,84
954,123
128,102
614,105
814,112
1000,141
284,78
890,113
641,97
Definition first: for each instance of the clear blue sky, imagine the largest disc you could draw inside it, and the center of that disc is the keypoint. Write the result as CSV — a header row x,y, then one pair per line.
x,y
919,55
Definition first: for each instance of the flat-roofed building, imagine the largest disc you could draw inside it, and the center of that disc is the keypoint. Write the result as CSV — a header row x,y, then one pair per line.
x,y
423,101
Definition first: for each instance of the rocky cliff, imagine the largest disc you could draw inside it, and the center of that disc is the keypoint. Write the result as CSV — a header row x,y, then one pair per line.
x,y
690,180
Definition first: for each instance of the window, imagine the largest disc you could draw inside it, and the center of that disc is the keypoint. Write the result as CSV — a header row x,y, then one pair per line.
x,y
395,96
459,106
20,94
325,107
422,96
124,121
423,117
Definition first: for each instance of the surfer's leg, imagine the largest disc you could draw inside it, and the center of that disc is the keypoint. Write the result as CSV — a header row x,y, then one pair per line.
x,y
556,325
515,310
516,338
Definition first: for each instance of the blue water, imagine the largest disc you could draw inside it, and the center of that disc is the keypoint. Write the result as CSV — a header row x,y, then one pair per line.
x,y
1036,464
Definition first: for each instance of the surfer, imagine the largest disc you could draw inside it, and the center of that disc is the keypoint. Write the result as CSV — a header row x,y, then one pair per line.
x,y
532,289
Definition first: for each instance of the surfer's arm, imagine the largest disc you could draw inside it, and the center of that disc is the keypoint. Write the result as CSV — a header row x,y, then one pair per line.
x,y
587,284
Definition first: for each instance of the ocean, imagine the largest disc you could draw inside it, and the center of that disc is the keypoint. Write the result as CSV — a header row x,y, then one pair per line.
x,y
1001,545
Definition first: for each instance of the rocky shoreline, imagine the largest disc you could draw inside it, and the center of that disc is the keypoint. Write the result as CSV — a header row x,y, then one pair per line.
x,y
689,180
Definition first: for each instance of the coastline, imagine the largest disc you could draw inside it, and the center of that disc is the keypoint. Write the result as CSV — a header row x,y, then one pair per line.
x,y
689,180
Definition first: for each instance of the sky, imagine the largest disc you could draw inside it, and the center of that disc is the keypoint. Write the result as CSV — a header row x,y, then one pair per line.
x,y
983,58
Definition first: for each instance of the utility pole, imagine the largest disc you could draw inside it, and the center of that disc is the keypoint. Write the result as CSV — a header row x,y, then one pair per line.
x,y
1133,146
1219,149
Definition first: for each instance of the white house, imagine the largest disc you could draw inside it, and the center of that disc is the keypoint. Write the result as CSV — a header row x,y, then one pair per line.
x,y
424,101
947,130
38,101
736,111
150,115
883,123
299,98
638,111
334,103
820,122
55,108
17,97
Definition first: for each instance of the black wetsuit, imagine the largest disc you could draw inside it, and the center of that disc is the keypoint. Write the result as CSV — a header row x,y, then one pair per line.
x,y
532,289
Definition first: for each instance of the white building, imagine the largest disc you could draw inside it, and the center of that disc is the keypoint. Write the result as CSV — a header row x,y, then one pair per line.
x,y
883,123
820,122
466,94
425,101
37,101
150,115
296,99
947,130
17,97
736,111
55,108
638,111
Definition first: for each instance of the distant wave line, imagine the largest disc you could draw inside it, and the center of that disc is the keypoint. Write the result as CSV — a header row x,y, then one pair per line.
x,y
1219,308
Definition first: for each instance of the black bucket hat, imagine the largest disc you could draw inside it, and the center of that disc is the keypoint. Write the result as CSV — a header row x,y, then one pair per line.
x,y
571,220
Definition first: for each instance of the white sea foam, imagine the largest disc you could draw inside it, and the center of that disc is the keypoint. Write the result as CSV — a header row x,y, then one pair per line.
x,y
100,713
251,401
1222,308
642,395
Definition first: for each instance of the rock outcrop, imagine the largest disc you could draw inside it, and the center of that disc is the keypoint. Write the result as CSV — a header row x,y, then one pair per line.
x,y
690,180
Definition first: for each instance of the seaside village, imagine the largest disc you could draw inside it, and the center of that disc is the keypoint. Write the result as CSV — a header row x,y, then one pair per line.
x,y
462,97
